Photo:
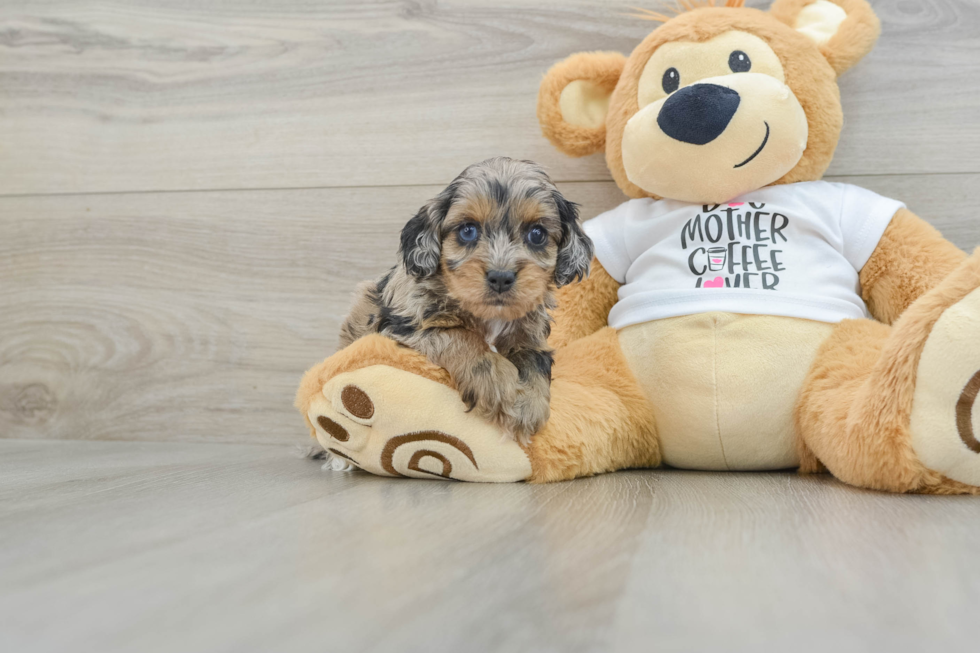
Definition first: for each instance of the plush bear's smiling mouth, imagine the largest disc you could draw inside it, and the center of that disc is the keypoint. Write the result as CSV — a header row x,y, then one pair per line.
x,y
756,153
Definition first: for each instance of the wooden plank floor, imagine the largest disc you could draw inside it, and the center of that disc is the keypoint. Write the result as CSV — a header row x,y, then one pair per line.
x,y
154,95
188,194
109,546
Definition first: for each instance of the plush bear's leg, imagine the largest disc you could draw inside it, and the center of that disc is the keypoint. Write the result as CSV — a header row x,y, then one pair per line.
x,y
892,408
601,420
391,412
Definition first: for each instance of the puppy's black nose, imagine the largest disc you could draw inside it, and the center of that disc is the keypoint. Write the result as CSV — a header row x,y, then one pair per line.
x,y
699,113
500,280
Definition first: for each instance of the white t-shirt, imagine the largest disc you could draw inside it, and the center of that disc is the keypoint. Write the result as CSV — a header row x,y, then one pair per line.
x,y
793,250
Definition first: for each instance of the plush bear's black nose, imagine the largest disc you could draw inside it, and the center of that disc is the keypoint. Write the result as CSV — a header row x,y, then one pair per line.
x,y
500,281
699,113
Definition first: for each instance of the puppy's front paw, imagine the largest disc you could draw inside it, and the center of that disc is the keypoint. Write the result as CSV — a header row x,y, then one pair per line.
x,y
529,414
490,387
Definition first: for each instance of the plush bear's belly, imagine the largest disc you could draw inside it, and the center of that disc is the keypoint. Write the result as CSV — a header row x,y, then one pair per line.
x,y
724,386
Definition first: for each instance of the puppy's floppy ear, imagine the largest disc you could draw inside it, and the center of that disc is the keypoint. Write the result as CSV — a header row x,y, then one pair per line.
x,y
421,241
574,99
843,30
574,247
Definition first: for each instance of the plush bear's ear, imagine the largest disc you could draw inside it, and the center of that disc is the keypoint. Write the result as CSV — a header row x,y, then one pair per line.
x,y
844,30
574,98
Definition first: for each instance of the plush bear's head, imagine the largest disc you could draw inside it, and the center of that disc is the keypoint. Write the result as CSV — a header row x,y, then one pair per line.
x,y
716,102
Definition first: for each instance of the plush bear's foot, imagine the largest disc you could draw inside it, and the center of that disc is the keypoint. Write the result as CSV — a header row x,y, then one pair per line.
x,y
891,408
945,419
390,421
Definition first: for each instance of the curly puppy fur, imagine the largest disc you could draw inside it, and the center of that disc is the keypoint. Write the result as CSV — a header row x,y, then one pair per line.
x,y
475,284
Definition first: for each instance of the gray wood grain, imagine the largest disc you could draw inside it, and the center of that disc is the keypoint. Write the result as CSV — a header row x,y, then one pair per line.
x,y
190,547
182,318
126,96
190,316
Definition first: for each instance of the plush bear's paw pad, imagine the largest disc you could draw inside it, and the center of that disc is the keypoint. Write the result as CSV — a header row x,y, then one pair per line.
x,y
945,422
393,423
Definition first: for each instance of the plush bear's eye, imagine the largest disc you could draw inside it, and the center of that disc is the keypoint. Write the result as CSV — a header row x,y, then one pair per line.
x,y
536,236
468,233
672,79
739,62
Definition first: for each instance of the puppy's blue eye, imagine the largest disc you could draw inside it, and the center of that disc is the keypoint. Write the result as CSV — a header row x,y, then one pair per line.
x,y
468,233
537,236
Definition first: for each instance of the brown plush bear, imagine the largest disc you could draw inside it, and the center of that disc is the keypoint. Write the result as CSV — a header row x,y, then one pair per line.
x,y
740,314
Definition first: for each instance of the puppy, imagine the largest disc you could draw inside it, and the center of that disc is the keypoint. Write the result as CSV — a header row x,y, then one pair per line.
x,y
478,268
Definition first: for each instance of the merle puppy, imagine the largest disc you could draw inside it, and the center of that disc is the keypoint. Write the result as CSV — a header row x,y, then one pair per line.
x,y
478,268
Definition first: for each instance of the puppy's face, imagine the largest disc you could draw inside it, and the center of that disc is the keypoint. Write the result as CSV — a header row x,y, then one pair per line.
x,y
500,247
506,237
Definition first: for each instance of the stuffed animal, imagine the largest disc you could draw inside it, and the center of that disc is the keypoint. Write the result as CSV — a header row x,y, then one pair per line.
x,y
740,314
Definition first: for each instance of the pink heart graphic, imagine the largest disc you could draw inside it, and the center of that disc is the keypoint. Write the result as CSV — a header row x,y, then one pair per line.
x,y
717,282
736,203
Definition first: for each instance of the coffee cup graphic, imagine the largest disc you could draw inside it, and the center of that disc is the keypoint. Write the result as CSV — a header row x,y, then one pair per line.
x,y
716,258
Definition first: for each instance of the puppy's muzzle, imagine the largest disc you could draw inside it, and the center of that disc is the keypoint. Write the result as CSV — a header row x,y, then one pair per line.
x,y
500,281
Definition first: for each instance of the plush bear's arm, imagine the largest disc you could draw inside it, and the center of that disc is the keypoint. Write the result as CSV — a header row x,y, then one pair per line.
x,y
583,308
911,258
